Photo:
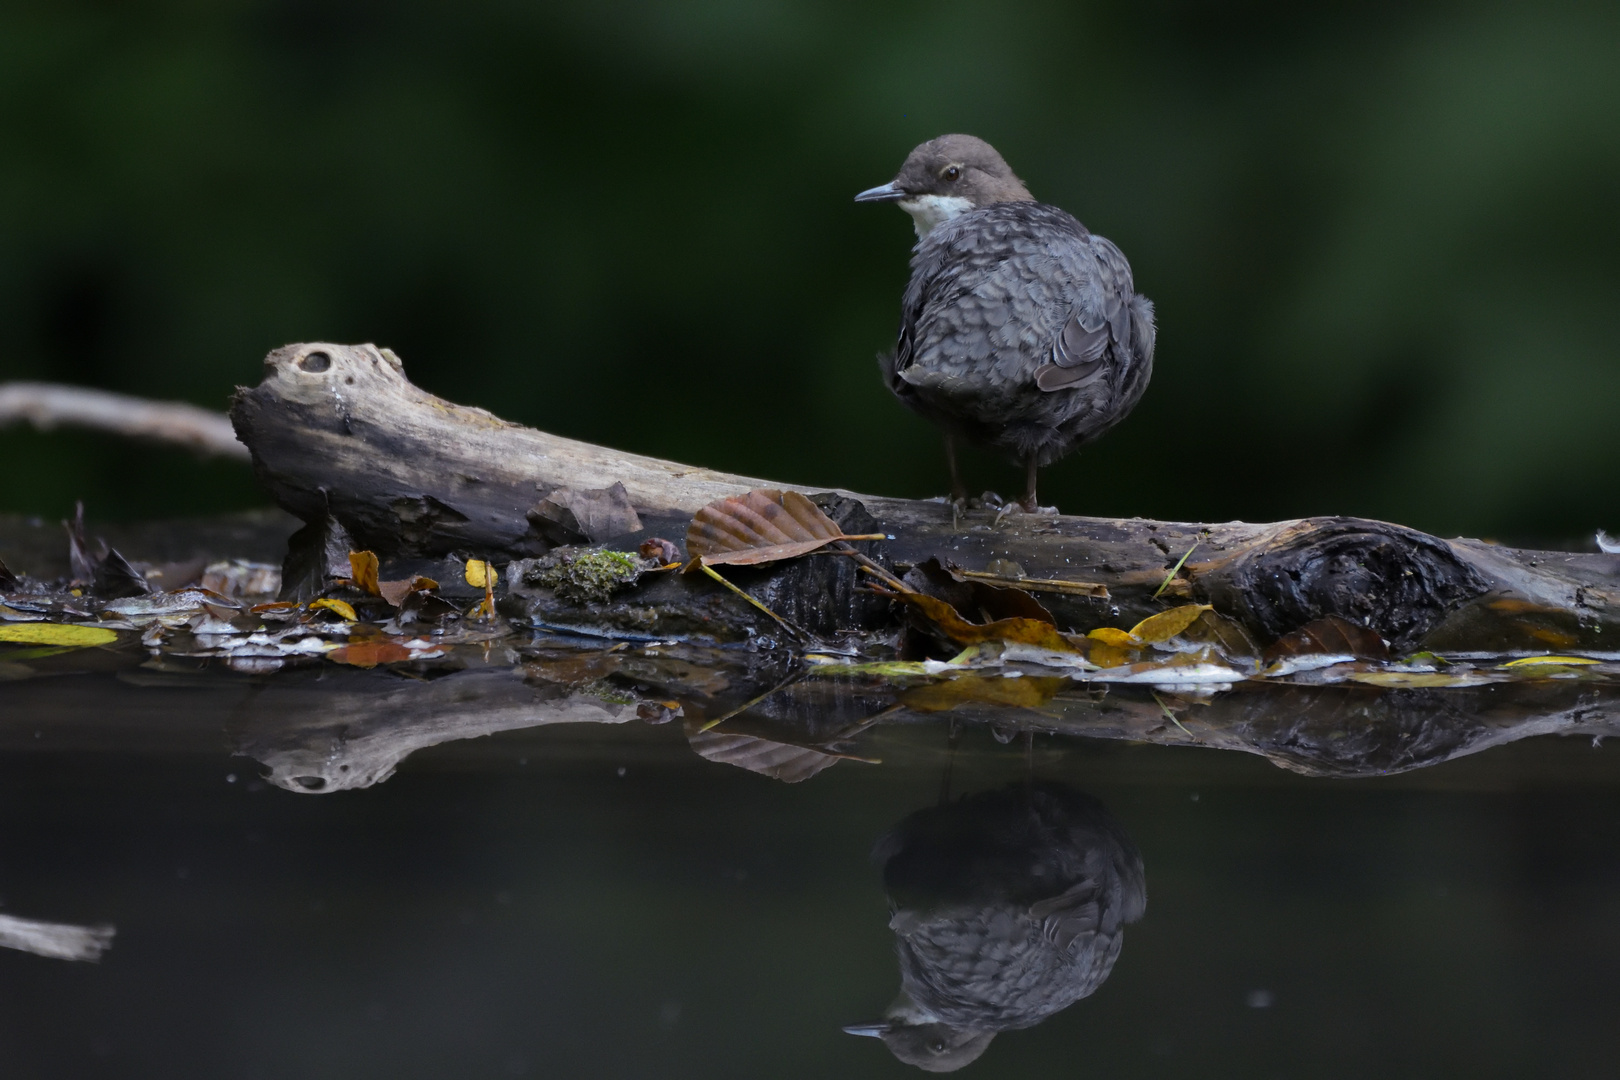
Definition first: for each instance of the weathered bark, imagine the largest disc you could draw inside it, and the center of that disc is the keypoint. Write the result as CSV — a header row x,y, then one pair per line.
x,y
338,430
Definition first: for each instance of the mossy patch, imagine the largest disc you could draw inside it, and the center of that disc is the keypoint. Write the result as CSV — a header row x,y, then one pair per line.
x,y
585,577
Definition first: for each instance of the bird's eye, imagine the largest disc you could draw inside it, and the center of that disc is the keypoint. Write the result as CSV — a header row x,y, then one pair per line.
x,y
937,1046
952,173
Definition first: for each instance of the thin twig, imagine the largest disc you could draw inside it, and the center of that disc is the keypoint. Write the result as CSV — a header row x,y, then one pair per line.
x,y
49,405
789,627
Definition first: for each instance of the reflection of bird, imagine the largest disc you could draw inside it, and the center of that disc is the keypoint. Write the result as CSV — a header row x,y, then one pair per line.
x,y
1019,330
1008,906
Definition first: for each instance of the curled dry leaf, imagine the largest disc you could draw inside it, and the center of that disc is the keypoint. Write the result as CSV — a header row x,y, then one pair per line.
x,y
1019,630
1330,635
1153,630
395,592
763,526
336,607
1168,624
363,569
656,547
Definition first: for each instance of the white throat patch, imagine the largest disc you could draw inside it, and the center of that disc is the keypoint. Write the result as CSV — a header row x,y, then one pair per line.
x,y
929,210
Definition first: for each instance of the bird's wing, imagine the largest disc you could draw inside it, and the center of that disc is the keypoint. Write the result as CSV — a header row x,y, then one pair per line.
x,y
1102,317
1069,916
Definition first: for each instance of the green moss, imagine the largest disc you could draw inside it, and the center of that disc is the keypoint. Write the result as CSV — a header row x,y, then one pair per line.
x,y
590,576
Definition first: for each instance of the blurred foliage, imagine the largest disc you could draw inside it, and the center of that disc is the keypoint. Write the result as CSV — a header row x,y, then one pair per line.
x,y
1384,240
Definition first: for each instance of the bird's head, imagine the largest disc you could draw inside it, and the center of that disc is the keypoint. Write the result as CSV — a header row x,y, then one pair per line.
x,y
948,176
935,1047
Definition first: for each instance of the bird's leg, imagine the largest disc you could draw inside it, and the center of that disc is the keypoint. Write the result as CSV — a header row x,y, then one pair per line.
x,y
1031,467
958,489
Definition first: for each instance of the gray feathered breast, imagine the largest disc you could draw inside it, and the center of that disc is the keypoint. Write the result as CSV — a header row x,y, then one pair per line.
x,y
1021,331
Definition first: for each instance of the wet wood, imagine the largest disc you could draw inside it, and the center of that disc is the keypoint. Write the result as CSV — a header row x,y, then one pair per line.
x,y
338,430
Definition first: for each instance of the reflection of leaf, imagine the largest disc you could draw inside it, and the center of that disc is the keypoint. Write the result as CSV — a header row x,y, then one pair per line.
x,y
1028,692
367,654
363,568
44,633
337,607
765,525
1538,661
1022,631
1394,679
779,761
1332,636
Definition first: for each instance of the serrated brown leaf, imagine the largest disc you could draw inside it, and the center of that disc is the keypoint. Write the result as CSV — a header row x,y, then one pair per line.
x,y
764,525
779,761
1329,635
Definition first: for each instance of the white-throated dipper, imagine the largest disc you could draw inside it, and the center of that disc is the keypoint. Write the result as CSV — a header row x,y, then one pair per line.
x,y
1020,330
1008,906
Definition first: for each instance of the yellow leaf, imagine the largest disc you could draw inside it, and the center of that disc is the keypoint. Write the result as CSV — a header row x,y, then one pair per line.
x,y
44,633
1532,661
481,575
337,607
1167,624
1119,639
363,566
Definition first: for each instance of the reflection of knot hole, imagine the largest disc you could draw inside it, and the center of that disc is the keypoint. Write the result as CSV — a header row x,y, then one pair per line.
x,y
1395,581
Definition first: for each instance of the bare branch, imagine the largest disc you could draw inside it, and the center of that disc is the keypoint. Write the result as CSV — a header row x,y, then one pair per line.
x,y
49,405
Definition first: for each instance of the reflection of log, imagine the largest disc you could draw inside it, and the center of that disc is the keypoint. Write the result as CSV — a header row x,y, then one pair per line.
x,y
338,429
1333,731
316,739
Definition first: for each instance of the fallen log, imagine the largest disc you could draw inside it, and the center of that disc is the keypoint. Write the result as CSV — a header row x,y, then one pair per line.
x,y
339,436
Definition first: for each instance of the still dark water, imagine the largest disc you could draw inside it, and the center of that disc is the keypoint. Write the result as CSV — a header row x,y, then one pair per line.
x,y
597,900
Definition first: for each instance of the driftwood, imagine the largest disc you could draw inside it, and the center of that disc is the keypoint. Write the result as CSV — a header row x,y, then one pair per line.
x,y
339,435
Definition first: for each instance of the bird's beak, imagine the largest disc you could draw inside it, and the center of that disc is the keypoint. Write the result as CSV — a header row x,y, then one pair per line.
x,y
874,1031
883,193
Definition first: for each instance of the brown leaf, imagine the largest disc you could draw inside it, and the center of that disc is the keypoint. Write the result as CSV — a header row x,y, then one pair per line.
x,y
765,525
1028,692
366,654
363,569
1329,635
1226,634
1020,631
395,592
585,515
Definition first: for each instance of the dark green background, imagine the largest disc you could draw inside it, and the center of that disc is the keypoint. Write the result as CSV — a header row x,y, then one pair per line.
x,y
1384,241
